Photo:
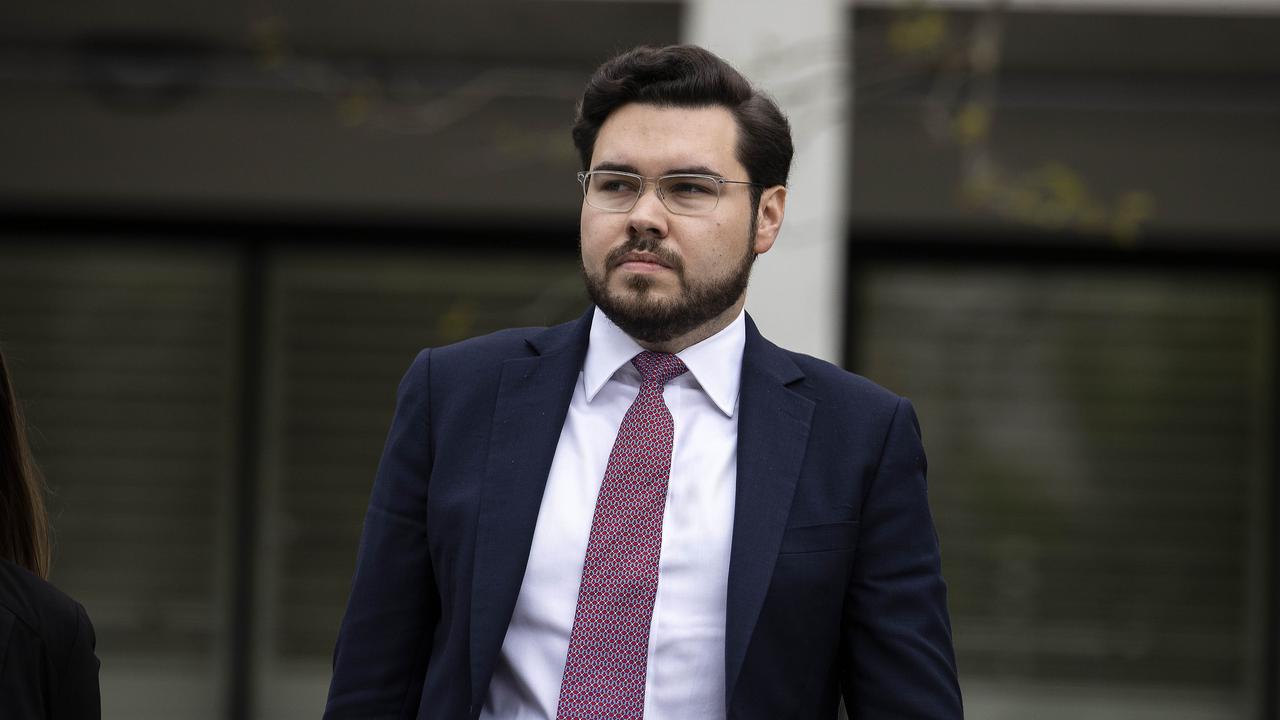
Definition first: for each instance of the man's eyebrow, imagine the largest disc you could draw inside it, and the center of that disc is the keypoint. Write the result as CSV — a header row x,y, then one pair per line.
x,y
691,170
617,167
694,170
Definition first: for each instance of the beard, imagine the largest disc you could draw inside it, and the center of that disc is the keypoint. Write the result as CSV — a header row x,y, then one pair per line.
x,y
657,320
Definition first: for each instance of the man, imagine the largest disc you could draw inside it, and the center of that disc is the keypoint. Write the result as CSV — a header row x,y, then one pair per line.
x,y
651,511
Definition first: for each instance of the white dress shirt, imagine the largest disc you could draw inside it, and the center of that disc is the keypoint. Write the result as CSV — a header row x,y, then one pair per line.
x,y
685,678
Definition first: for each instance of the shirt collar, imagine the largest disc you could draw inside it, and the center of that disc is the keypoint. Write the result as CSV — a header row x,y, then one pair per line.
x,y
714,363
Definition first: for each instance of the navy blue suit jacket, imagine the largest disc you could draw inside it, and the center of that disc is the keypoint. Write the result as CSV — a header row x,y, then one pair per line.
x,y
834,577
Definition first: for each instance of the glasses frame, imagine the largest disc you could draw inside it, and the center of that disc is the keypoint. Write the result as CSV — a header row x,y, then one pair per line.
x,y
656,181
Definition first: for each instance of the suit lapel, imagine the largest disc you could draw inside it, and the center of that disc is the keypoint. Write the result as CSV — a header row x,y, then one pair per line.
x,y
773,429
533,398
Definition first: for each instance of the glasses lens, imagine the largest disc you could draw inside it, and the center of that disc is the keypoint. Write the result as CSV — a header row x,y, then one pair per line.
x,y
612,191
689,194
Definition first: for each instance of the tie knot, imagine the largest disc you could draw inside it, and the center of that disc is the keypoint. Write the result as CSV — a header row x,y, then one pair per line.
x,y
658,367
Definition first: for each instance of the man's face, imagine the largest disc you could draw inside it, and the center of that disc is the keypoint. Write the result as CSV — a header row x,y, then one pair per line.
x,y
656,274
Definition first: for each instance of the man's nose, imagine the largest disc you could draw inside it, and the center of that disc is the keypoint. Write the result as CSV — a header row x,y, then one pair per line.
x,y
649,216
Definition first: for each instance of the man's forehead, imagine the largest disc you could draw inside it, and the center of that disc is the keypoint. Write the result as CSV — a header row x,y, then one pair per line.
x,y
652,139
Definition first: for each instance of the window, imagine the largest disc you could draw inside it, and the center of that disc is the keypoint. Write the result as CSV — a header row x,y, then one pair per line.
x,y
1099,467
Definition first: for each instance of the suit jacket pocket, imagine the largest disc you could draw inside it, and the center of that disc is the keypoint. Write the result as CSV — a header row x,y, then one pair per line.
x,y
826,537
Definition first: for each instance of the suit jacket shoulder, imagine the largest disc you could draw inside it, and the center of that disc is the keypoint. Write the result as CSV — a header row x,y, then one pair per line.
x,y
842,382
47,664
484,355
464,376
832,388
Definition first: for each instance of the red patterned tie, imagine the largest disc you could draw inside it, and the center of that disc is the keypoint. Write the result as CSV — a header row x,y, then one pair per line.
x,y
609,646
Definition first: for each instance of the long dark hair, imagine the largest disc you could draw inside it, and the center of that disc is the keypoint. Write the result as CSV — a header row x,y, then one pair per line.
x,y
24,526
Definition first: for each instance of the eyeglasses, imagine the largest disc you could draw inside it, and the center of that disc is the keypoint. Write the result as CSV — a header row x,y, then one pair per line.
x,y
614,191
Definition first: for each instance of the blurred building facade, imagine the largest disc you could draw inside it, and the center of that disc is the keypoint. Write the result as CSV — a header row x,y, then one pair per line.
x,y
224,233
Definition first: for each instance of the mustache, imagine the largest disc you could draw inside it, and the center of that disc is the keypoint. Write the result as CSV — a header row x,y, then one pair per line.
x,y
645,245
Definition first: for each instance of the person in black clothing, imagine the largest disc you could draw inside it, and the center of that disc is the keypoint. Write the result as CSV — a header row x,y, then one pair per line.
x,y
48,670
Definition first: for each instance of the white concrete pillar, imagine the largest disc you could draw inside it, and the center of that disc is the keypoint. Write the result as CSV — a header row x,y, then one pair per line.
x,y
799,52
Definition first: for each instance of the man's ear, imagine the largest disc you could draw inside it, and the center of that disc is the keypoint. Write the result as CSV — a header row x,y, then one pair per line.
x,y
773,205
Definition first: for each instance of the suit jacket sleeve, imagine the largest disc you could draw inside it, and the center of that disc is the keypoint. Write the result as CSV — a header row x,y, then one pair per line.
x,y
48,668
384,643
897,644
78,696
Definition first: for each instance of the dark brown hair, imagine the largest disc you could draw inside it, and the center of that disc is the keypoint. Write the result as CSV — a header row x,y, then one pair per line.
x,y
689,76
24,527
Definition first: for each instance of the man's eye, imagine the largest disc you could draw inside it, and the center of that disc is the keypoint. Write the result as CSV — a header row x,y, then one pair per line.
x,y
690,189
615,186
